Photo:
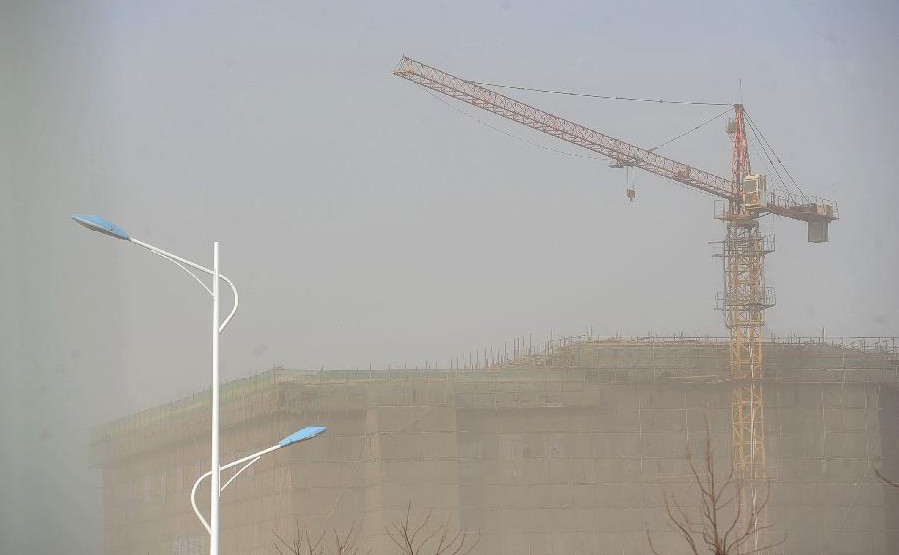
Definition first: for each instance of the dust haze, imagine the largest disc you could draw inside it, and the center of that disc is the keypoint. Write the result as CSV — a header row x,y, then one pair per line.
x,y
367,223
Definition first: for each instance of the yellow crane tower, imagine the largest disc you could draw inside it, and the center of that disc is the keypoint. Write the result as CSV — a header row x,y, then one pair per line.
x,y
746,198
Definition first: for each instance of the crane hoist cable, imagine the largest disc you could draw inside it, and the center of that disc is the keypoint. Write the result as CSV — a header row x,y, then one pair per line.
x,y
630,181
589,95
627,98
517,138
550,149
763,141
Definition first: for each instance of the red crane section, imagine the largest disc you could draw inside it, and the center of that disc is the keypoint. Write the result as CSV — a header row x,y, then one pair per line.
x,y
620,151
616,149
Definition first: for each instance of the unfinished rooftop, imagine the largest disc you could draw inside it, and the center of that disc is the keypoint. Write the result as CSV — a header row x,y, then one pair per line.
x,y
569,448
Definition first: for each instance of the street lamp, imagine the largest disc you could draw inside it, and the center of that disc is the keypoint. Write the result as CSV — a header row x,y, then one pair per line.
x,y
306,433
104,226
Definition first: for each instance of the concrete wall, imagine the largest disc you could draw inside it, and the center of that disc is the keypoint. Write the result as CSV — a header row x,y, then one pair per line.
x,y
538,460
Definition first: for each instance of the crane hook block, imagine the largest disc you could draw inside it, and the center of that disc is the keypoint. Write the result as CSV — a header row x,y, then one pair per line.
x,y
631,194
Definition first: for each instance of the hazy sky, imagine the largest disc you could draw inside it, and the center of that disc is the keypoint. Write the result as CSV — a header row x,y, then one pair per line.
x,y
365,221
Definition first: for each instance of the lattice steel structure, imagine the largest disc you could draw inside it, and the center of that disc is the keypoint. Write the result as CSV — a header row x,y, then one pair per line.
x,y
746,199
744,301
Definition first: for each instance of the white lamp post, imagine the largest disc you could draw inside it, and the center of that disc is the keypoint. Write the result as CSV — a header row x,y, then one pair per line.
x,y
102,225
302,435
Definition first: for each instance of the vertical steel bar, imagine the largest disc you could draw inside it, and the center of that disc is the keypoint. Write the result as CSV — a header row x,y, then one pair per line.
x,y
215,488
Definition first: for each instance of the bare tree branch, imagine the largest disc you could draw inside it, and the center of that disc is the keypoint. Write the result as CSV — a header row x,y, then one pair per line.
x,y
304,544
348,543
723,525
406,535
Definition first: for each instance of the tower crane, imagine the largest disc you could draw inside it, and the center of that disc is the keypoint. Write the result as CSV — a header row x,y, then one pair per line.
x,y
745,197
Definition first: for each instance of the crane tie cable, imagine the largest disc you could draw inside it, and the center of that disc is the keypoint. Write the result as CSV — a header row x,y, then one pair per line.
x,y
768,156
685,133
544,147
605,97
756,127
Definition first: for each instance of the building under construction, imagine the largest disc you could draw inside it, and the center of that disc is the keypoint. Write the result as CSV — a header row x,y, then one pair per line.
x,y
569,449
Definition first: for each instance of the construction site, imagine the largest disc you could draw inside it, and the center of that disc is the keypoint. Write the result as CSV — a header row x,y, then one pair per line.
x,y
581,445
569,450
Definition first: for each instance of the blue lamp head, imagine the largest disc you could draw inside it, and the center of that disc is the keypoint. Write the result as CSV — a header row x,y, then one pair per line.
x,y
102,225
308,432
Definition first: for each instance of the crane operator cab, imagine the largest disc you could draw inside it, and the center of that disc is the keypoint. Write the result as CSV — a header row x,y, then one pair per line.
x,y
755,192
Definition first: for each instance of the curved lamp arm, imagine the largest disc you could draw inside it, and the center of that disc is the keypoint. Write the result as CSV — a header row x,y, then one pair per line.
x,y
184,264
193,492
306,433
104,226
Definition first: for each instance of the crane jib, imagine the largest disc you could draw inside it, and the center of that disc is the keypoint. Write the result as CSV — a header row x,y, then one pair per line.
x,y
616,149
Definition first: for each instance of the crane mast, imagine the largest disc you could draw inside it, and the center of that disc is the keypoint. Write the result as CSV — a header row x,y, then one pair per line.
x,y
745,199
744,302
